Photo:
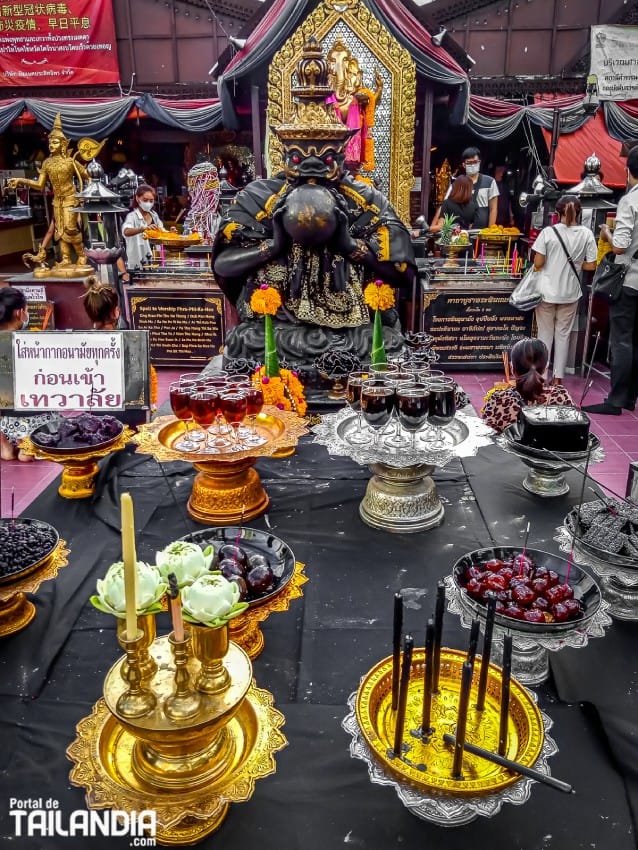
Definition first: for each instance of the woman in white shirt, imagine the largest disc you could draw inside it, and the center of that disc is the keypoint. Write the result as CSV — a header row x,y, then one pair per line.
x,y
561,289
141,217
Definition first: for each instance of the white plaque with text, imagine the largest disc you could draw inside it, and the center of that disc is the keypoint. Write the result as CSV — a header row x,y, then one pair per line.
x,y
77,370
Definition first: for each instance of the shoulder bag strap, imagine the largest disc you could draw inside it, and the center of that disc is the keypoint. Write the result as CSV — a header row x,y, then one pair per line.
x,y
567,254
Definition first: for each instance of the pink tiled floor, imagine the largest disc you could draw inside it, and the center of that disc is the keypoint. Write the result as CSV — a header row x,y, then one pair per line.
x,y
618,434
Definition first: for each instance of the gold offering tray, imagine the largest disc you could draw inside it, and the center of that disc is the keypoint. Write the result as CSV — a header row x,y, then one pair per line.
x,y
175,241
428,767
16,611
80,466
192,803
227,489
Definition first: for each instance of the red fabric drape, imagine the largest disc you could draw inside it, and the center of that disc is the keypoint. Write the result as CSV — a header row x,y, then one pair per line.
x,y
573,150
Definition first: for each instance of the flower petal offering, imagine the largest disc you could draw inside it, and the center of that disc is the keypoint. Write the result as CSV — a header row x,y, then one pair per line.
x,y
111,597
187,560
212,601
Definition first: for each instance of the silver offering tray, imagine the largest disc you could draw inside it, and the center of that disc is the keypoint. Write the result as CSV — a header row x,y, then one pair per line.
x,y
401,495
446,810
530,660
618,583
546,470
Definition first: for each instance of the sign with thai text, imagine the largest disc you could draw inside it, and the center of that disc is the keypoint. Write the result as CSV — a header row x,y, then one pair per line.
x,y
614,61
78,370
472,330
33,293
58,44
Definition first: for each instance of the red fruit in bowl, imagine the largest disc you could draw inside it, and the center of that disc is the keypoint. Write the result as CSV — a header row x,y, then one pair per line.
x,y
554,595
553,577
495,582
540,572
523,595
539,585
504,596
574,608
534,616
500,607
520,581
567,590
541,603
506,573
474,588
522,563
494,565
473,572
560,612
514,611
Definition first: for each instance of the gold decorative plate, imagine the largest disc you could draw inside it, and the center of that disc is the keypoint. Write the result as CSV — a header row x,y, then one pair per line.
x,y
428,767
280,429
101,754
81,455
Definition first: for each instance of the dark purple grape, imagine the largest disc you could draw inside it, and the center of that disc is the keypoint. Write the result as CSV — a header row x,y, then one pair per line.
x,y
260,579
233,553
230,569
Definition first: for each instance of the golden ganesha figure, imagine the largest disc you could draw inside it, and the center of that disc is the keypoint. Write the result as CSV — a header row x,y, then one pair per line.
x,y
354,104
61,171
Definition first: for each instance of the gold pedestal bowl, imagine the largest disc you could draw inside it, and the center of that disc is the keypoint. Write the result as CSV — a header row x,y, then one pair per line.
x,y
16,611
227,487
195,749
80,465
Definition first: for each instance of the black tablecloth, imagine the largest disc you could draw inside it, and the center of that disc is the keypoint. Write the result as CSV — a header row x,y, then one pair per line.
x,y
315,655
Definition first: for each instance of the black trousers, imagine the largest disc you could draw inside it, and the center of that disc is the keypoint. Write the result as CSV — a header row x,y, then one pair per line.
x,y
623,326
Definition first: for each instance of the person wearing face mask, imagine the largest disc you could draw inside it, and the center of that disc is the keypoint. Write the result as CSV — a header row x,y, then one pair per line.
x,y
14,316
141,217
485,191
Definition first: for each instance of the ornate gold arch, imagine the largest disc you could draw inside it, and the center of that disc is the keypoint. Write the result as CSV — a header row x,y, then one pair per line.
x,y
388,53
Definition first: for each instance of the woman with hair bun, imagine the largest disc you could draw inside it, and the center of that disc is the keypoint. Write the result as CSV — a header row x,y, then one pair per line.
x,y
529,361
561,288
14,316
102,305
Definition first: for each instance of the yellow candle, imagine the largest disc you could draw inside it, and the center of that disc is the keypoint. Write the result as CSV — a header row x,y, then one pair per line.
x,y
129,558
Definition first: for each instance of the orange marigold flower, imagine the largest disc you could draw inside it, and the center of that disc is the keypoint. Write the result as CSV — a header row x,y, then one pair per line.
x,y
265,300
378,296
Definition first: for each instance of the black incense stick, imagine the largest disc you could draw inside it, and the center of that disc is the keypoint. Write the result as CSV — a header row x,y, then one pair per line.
x,y
515,766
403,694
428,679
487,652
438,634
506,675
397,628
461,722
473,644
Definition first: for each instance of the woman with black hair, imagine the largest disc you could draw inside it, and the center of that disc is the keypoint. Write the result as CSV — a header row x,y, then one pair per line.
x,y
529,361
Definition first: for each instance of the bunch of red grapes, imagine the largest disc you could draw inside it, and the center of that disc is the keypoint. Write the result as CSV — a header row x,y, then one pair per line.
x,y
523,591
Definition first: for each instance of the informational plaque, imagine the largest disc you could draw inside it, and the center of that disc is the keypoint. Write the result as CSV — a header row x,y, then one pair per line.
x,y
186,328
471,329
41,316
74,370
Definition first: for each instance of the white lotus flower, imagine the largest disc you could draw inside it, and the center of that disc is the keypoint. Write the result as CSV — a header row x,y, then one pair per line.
x,y
186,560
212,600
111,597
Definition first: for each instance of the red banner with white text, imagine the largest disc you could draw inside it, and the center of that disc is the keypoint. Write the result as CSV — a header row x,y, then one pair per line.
x,y
57,44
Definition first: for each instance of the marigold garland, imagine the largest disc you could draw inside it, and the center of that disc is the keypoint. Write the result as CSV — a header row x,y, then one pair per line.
x,y
378,296
265,300
285,392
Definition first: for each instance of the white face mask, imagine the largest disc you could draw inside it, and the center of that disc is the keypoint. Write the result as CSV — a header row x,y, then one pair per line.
x,y
147,206
472,168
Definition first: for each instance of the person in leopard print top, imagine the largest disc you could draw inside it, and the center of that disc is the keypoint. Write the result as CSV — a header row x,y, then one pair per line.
x,y
529,360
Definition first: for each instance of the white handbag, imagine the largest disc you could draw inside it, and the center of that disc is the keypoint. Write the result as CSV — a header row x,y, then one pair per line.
x,y
528,292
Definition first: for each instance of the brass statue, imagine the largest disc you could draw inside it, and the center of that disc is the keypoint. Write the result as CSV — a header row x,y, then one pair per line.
x,y
61,171
354,104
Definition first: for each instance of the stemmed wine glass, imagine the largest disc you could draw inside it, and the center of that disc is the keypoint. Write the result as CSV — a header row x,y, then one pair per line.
x,y
353,397
377,404
234,405
254,403
203,405
413,407
397,440
442,407
178,394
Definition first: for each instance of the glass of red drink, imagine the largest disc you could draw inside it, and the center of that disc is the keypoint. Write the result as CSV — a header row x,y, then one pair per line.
x,y
353,397
203,406
254,403
179,399
234,406
377,404
413,401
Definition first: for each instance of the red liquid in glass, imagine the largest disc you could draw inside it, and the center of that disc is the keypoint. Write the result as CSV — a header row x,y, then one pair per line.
x,y
254,401
353,393
179,404
376,405
234,407
413,411
203,406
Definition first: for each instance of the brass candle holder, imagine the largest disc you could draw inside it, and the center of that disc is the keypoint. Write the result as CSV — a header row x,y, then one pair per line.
x,y
205,736
80,466
146,625
227,488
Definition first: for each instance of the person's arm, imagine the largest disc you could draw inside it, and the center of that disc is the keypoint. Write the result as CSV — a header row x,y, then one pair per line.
x,y
493,211
436,221
539,261
131,226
